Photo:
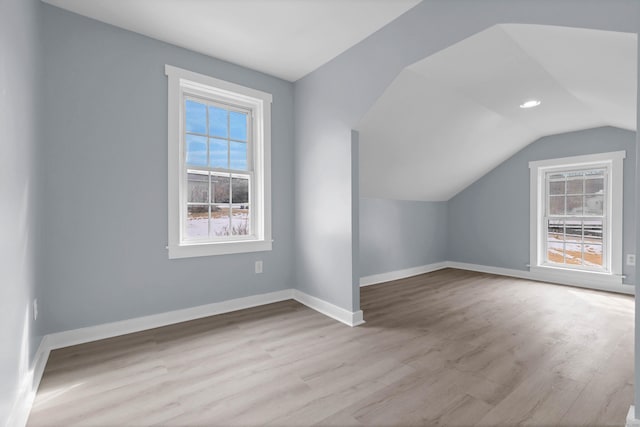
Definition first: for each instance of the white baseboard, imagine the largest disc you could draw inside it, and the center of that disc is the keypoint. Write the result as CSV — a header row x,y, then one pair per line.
x,y
29,386
41,357
520,274
114,329
632,421
19,413
509,272
31,382
401,274
549,278
351,318
27,392
26,395
21,408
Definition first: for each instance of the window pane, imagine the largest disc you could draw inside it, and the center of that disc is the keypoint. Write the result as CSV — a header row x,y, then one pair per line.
x,y
219,189
218,122
593,232
197,222
594,172
556,187
240,220
555,252
197,188
573,231
593,255
240,190
556,205
574,205
593,186
238,155
573,253
575,186
238,125
555,231
196,150
220,220
576,199
593,205
196,117
218,157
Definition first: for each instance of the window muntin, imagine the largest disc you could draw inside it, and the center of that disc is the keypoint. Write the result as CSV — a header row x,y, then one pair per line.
x,y
576,210
575,218
219,171
219,184
217,206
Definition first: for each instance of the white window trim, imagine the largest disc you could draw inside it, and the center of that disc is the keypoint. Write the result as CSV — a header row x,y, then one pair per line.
x,y
614,161
260,102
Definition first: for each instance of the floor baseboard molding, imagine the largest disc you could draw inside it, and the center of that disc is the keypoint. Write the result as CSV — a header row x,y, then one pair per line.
x,y
632,421
350,318
42,355
523,274
27,393
401,274
19,413
123,327
500,271
29,386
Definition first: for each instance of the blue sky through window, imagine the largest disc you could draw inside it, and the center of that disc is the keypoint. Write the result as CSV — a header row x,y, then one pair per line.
x,y
196,117
218,153
196,150
238,155
238,125
218,122
222,127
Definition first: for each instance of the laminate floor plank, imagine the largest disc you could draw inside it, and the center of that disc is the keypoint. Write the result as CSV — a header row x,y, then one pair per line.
x,y
448,348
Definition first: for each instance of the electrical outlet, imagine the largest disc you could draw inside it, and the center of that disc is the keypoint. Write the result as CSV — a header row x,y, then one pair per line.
x,y
258,267
35,309
631,259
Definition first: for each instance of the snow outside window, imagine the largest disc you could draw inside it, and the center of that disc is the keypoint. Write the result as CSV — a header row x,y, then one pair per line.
x,y
576,216
219,166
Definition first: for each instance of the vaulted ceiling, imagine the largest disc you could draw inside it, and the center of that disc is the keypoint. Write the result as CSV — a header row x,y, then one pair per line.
x,y
444,121
450,118
284,38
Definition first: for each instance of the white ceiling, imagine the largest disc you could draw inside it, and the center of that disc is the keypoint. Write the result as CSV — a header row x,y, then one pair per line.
x,y
447,120
284,38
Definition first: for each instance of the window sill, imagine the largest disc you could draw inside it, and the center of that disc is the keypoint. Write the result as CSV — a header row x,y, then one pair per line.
x,y
576,277
218,248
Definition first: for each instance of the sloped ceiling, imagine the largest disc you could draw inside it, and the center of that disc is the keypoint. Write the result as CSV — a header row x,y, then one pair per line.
x,y
284,38
447,120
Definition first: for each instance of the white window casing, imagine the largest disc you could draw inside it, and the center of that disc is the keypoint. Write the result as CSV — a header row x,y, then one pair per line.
x,y
611,271
183,84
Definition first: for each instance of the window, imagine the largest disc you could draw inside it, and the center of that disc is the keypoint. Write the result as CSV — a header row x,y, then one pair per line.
x,y
576,221
219,158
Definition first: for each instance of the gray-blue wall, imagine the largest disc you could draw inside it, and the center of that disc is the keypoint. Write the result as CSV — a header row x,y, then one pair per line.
x,y
331,100
19,142
489,220
399,234
103,161
105,180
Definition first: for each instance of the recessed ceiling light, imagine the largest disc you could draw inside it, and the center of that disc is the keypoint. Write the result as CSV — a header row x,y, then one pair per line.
x,y
530,104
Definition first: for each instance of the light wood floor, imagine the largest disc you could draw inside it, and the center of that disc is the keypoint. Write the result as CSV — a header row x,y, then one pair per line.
x,y
449,348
